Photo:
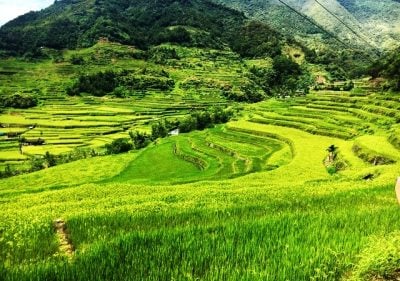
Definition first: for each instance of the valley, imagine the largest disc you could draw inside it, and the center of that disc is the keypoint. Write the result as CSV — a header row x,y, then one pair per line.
x,y
186,140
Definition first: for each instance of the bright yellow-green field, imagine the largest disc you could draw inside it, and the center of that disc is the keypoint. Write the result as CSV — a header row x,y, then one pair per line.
x,y
250,200
253,199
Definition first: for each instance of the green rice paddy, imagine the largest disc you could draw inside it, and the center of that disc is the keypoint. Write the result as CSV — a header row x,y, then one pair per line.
x,y
249,200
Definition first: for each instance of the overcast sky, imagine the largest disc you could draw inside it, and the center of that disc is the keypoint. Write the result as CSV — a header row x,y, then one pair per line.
x,y
10,9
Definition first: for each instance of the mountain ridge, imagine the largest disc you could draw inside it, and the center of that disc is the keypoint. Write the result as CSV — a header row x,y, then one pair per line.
x,y
73,23
375,22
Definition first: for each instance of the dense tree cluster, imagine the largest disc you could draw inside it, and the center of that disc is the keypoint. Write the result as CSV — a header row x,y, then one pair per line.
x,y
118,146
98,84
285,77
120,83
249,92
200,120
139,139
389,67
18,101
341,64
38,162
256,39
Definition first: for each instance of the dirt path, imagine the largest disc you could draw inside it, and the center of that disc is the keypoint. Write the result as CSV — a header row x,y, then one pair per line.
x,y
66,246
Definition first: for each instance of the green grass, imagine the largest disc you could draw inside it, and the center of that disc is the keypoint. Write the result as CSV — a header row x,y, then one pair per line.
x,y
379,260
249,200
157,164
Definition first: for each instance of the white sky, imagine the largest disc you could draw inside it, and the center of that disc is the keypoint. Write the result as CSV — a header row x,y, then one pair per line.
x,y
10,9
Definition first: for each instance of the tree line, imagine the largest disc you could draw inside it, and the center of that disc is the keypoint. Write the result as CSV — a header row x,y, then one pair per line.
x,y
120,83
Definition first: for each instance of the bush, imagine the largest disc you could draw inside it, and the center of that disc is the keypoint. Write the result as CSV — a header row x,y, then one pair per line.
x,y
118,146
331,170
120,83
77,60
98,84
18,101
139,139
159,130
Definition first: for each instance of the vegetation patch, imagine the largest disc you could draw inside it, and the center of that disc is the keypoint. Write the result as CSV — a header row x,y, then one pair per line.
x,y
371,156
18,101
334,162
122,83
379,261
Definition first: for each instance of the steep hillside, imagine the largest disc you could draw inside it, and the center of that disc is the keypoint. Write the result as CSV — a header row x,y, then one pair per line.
x,y
361,23
80,23
380,18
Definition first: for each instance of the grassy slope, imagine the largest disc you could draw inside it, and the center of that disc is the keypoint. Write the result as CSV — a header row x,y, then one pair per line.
x,y
293,223
250,200
90,122
157,164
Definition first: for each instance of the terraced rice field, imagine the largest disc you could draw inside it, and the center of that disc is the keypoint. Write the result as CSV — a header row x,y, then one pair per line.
x,y
219,153
66,123
250,200
84,123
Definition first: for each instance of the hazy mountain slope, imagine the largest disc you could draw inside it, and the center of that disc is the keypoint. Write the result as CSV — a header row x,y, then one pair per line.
x,y
276,14
381,18
335,18
358,22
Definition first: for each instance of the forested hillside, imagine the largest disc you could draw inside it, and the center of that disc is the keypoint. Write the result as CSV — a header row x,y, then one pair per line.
x,y
72,23
389,68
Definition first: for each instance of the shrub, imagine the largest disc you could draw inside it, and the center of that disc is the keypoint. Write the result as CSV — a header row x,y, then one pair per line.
x,y
118,146
77,60
18,101
331,170
139,139
159,130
